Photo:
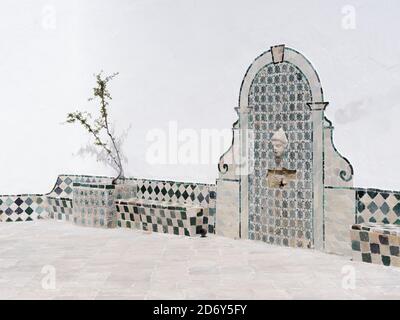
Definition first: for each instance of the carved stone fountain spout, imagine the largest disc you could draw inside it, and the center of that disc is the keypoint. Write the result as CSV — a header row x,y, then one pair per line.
x,y
280,176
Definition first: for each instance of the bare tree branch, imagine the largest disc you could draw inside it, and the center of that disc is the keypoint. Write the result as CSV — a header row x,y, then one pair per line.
x,y
101,124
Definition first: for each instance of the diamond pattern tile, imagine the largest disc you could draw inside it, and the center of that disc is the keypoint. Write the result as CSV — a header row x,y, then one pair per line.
x,y
58,204
15,208
377,206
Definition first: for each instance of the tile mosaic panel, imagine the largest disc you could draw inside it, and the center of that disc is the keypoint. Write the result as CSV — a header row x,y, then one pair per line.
x,y
93,205
278,99
59,208
373,205
194,193
164,217
377,244
24,207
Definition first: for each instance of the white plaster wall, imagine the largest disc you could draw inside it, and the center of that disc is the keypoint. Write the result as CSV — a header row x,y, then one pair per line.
x,y
184,61
339,216
228,208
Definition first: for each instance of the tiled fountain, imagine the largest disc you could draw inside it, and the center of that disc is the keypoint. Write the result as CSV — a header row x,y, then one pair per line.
x,y
282,181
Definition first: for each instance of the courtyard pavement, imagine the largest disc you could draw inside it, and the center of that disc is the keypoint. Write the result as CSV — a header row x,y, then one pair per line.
x,y
53,260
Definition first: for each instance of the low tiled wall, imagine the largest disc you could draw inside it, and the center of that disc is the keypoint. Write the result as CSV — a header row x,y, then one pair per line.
x,y
57,204
22,207
344,206
28,207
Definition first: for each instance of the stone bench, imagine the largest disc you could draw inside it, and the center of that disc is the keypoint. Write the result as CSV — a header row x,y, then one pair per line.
x,y
162,216
376,243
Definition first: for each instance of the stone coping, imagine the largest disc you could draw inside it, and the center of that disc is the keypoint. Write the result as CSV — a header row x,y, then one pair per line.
x,y
381,228
366,190
138,178
59,198
22,195
96,186
157,204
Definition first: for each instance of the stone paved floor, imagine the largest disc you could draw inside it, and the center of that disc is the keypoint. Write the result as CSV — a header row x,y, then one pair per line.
x,y
126,264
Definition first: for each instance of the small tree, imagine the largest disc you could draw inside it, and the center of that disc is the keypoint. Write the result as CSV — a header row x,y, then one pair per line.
x,y
107,146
